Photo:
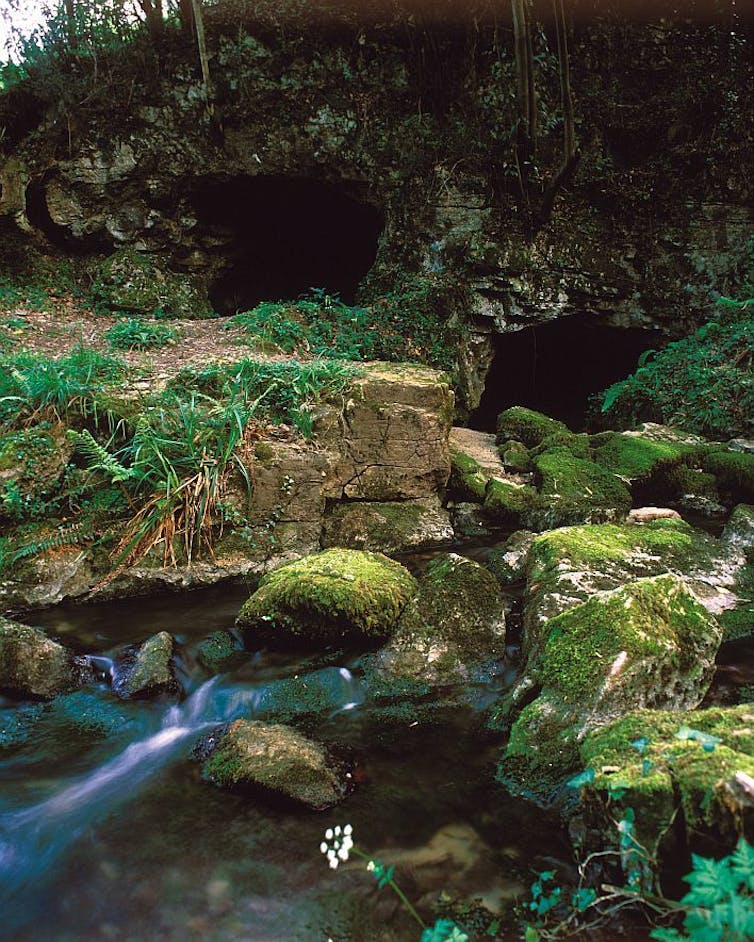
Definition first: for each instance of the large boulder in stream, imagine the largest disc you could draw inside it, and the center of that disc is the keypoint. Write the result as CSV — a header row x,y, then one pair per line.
x,y
456,621
33,665
647,644
147,671
275,760
330,596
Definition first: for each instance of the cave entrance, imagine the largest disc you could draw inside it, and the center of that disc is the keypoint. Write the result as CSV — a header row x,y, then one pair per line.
x,y
555,368
282,236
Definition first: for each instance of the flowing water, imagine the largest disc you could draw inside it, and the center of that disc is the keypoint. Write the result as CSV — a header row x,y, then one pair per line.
x,y
107,830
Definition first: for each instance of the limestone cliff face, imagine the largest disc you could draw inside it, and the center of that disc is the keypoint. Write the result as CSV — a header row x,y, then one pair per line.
x,y
407,131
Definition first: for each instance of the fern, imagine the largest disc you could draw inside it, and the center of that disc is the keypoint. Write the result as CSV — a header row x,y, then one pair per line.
x,y
99,457
66,536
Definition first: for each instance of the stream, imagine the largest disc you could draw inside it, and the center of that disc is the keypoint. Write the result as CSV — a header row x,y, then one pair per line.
x,y
107,830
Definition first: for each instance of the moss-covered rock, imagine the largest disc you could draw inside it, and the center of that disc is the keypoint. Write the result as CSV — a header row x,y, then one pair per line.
x,y
507,561
33,665
388,526
668,768
636,457
734,472
454,622
32,462
510,505
219,652
570,565
276,760
576,490
468,480
329,596
147,671
515,457
527,426
739,530
648,644
135,282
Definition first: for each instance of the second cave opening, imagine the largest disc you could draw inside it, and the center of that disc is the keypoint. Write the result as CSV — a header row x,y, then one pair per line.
x,y
557,367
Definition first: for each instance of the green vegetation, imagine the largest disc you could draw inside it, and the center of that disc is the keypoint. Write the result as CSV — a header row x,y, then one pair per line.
x,y
575,489
703,383
136,334
409,323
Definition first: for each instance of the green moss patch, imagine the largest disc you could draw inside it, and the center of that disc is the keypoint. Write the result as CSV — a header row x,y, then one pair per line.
x,y
734,472
575,490
635,458
660,763
510,505
467,478
527,426
648,643
330,595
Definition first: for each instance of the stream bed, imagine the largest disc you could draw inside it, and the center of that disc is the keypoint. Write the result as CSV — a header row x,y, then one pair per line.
x,y
107,830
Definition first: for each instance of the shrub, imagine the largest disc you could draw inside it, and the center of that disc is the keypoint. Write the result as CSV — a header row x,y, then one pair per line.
x,y
703,383
135,334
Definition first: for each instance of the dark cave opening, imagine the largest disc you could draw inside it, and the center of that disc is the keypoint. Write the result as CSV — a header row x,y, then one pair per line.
x,y
282,236
556,367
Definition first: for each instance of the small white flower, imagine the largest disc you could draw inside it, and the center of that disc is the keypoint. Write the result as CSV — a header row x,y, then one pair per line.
x,y
329,834
334,863
348,830
323,847
371,866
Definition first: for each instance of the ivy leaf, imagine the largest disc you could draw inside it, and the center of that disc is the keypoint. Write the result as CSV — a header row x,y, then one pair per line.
x,y
583,778
666,935
706,740
531,934
640,744
583,898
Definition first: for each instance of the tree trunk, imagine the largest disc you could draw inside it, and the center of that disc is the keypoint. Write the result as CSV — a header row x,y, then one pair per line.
x,y
525,88
70,24
186,17
201,41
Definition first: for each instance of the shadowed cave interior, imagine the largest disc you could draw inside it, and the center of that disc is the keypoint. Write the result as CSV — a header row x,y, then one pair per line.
x,y
555,368
282,236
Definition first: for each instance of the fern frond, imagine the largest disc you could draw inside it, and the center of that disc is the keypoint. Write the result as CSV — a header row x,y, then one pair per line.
x,y
99,457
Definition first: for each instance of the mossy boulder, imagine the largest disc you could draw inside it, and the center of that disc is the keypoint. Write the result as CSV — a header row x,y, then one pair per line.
x,y
388,526
648,644
576,490
515,457
570,565
275,761
734,472
453,623
34,666
636,457
329,596
507,560
739,530
510,505
219,652
137,283
468,480
147,671
686,771
527,426
32,463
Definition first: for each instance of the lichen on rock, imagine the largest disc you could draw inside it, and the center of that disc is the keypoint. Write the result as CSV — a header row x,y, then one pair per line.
x,y
148,671
274,759
329,596
33,665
